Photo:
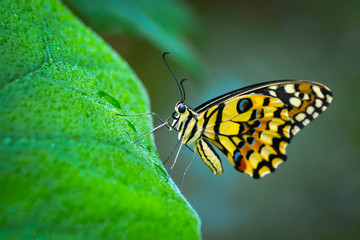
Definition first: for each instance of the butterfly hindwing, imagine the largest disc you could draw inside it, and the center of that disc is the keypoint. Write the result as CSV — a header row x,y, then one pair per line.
x,y
253,128
252,131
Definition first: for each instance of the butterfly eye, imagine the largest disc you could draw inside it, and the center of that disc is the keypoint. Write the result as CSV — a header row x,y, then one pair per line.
x,y
181,108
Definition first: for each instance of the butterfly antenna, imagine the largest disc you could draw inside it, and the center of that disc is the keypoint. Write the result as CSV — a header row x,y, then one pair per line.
x,y
182,86
177,82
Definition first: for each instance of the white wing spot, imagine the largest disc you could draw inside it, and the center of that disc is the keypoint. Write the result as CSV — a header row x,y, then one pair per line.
x,y
295,102
310,110
315,115
289,88
318,91
328,98
272,93
274,87
323,108
306,122
300,116
318,103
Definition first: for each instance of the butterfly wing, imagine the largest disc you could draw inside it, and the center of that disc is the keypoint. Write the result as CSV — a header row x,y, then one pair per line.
x,y
252,126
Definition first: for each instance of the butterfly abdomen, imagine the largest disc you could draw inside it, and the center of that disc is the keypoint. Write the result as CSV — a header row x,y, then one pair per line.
x,y
209,156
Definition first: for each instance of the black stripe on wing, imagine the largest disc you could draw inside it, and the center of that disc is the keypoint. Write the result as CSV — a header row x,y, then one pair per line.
x,y
240,91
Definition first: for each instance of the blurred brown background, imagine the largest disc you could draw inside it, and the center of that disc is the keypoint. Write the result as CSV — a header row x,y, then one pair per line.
x,y
228,45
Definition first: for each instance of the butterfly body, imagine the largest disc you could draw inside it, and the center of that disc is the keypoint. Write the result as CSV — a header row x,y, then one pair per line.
x,y
251,126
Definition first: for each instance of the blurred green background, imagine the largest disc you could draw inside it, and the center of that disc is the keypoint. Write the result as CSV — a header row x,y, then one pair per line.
x,y
228,45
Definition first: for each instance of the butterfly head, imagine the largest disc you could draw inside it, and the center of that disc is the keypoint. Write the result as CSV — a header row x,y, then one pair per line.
x,y
180,108
181,113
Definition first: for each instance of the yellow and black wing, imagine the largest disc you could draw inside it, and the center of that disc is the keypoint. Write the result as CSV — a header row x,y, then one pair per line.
x,y
252,126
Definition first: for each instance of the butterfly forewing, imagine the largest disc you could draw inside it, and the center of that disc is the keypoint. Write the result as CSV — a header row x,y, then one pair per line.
x,y
304,101
253,126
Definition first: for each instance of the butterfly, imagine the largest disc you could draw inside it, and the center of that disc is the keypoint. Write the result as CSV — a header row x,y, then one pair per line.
x,y
251,126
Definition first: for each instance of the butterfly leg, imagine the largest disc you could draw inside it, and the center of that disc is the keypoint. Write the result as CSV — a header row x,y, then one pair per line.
x,y
190,149
172,166
163,123
183,175
171,153
144,114
154,130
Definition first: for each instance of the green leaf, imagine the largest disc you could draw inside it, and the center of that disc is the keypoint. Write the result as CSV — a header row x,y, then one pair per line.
x,y
69,168
163,23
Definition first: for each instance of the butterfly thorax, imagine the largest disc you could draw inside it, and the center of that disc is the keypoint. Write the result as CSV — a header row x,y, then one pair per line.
x,y
186,122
